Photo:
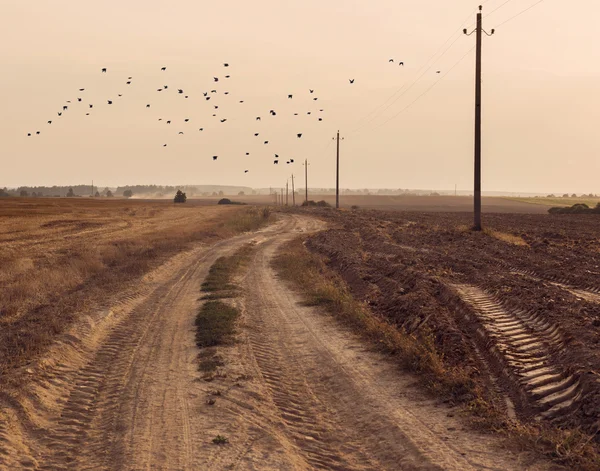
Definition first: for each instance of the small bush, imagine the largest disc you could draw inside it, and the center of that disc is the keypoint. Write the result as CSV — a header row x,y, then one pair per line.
x,y
180,197
220,440
228,201
579,208
323,204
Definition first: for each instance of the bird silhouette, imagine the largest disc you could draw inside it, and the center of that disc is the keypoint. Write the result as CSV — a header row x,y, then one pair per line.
x,y
129,78
91,106
391,60
292,161
276,162
87,114
169,122
266,142
104,70
223,120
295,114
245,171
315,99
120,94
214,115
49,122
164,145
216,107
159,89
311,91
258,118
308,112
351,80
255,134
241,101
215,157
276,156
299,135
290,97
82,89
180,132
68,101
186,119
165,86
28,134
401,63
160,119
201,129
78,99
213,91
321,111
109,102
247,153
147,106
65,108
163,68
320,119
187,96
225,64
129,82
228,76
205,93
216,79
439,72
180,91
288,162
59,113
37,132
226,93
207,98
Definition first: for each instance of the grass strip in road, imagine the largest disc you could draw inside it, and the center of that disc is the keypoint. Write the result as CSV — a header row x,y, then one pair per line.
x,y
216,320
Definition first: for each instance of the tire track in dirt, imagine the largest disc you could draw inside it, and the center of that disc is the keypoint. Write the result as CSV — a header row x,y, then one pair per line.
x,y
526,342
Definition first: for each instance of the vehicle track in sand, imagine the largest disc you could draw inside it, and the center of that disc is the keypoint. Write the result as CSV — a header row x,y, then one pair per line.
x,y
297,392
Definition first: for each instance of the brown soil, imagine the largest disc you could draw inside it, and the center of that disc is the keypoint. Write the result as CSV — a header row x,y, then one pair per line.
x,y
518,305
122,388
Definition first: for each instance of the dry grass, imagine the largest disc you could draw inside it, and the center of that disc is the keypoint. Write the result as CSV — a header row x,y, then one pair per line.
x,y
59,257
506,237
415,352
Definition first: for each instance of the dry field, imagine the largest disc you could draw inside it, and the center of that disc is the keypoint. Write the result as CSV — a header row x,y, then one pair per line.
x,y
62,257
512,313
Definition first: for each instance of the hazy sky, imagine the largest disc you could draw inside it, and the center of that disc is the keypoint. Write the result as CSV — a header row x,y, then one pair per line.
x,y
541,88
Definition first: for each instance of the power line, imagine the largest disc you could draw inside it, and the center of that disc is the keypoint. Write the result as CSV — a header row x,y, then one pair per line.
x,y
519,14
425,92
401,89
498,8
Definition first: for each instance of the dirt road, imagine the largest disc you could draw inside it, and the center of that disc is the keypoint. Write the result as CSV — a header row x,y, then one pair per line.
x,y
297,392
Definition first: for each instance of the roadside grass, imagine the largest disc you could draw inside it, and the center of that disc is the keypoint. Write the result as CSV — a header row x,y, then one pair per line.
x,y
506,237
216,320
54,268
417,353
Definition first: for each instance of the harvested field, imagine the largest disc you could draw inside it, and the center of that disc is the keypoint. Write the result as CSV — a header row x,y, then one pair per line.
x,y
517,306
62,258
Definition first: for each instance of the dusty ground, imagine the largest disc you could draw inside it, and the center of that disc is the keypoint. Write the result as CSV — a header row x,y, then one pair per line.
x,y
122,390
518,305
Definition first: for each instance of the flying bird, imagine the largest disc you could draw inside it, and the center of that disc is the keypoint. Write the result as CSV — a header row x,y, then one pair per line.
x,y
401,63
315,99
225,64
207,98
186,119
109,102
216,107
295,114
163,68
82,89
292,161
266,142
226,93
308,112
213,91
205,93
258,118
290,97
351,80
215,157
223,120
228,76
276,162
247,153
129,82
439,72
49,122
78,99
320,119
65,108
245,171
160,119
120,94
104,70
37,132
216,79
87,114
164,145
180,132
165,86
391,60
201,129
255,134
148,106
241,101
91,106
311,91
28,134
180,91
299,135
169,122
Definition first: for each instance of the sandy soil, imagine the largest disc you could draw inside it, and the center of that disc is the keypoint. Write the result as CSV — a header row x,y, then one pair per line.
x,y
122,391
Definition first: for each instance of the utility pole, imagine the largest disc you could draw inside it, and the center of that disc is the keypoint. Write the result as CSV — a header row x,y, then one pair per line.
x,y
282,197
477,193
286,192
92,187
337,172
293,192
306,164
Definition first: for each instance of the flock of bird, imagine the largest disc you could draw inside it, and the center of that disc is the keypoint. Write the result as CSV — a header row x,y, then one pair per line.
x,y
206,95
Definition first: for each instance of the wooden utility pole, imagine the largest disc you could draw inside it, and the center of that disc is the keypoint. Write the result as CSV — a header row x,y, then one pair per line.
x,y
286,192
477,190
306,181
293,192
337,172
282,197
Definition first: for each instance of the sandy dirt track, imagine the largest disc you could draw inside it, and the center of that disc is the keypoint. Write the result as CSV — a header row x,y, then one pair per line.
x,y
297,391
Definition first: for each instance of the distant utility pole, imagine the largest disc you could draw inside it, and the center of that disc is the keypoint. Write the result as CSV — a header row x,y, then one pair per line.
x,y
286,192
337,172
477,193
92,187
282,197
293,192
306,164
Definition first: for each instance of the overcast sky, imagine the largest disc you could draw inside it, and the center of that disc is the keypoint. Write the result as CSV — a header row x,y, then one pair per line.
x,y
541,87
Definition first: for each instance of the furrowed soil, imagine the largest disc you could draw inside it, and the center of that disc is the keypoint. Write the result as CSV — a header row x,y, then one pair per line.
x,y
516,307
121,388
